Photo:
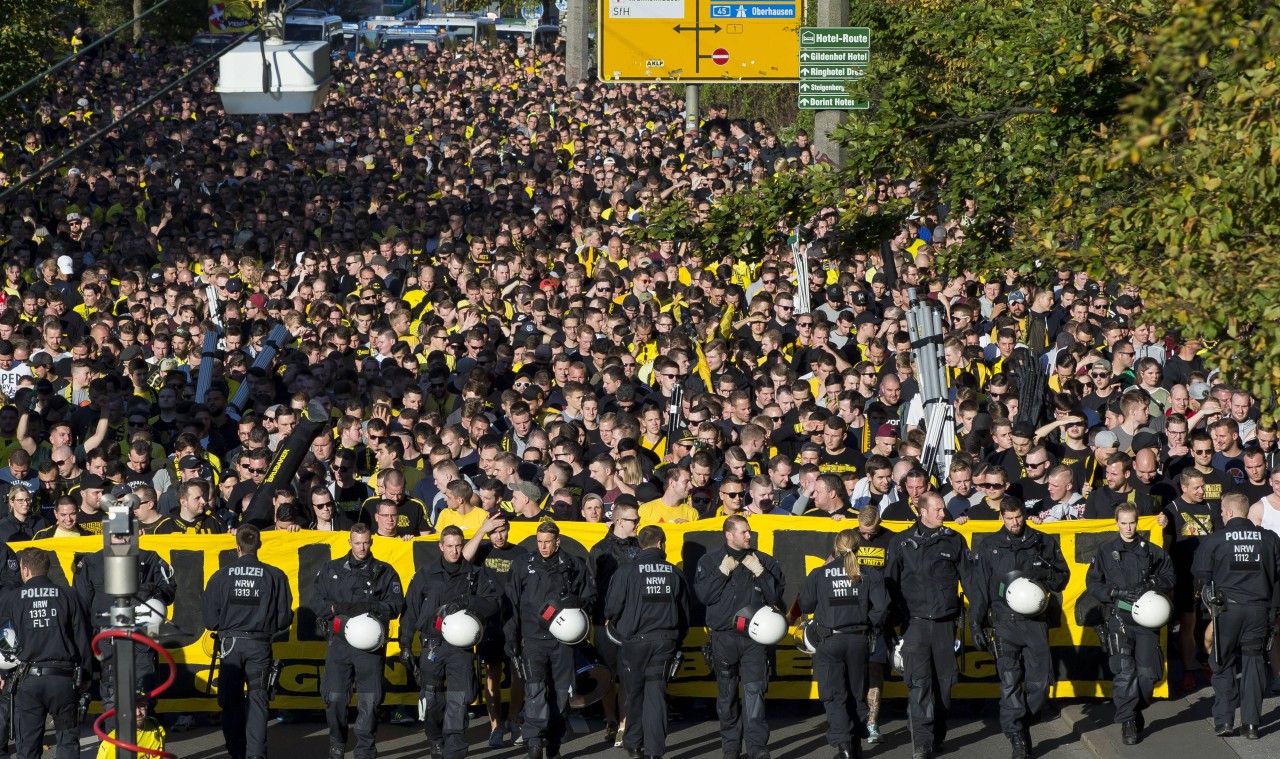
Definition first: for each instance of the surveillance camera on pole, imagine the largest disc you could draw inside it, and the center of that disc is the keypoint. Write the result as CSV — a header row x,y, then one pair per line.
x,y
272,75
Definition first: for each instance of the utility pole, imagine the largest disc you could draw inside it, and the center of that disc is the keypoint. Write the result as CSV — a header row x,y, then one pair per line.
x,y
691,106
825,123
575,24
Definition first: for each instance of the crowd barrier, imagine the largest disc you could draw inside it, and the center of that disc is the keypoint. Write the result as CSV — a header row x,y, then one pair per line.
x,y
799,545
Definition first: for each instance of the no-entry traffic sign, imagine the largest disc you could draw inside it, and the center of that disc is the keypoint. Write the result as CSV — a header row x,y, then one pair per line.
x,y
719,56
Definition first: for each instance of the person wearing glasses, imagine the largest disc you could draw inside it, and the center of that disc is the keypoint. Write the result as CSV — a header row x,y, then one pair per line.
x,y
326,516
618,547
149,519
22,522
1032,488
992,483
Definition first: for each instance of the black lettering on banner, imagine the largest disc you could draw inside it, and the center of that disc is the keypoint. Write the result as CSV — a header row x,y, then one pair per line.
x,y
424,552
188,575
790,549
976,538
226,557
310,559
696,545
56,572
1088,611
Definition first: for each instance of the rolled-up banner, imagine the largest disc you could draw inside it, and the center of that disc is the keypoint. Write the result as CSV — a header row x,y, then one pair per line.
x,y
207,354
279,334
313,421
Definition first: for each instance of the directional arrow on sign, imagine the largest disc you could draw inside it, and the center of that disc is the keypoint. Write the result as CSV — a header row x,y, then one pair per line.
x,y
681,29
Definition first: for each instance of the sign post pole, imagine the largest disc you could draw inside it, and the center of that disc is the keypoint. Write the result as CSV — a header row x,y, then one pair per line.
x,y
690,107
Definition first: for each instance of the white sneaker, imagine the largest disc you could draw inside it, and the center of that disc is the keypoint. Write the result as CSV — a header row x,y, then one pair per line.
x,y
184,722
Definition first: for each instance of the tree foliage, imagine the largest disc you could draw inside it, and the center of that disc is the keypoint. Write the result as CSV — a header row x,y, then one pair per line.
x,y
33,35
1181,195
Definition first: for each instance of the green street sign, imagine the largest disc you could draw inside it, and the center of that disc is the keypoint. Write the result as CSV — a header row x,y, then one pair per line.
x,y
832,103
845,57
830,72
823,88
835,37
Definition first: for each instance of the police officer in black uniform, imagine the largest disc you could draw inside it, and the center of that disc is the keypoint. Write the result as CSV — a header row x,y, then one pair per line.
x,y
53,645
1019,643
438,589
729,580
1242,561
1123,569
648,608
540,585
10,579
618,547
350,586
926,563
155,581
246,604
848,607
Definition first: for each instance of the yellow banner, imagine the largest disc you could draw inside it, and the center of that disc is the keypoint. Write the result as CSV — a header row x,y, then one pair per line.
x,y
799,545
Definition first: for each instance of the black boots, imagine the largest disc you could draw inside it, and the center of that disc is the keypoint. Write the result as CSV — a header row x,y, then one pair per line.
x,y
1129,733
1019,746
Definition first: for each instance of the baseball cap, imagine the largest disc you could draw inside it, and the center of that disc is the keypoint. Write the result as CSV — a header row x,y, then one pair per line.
x,y
1024,430
1106,439
1198,391
189,462
64,265
835,293
530,490
91,481
1017,296
866,317
887,430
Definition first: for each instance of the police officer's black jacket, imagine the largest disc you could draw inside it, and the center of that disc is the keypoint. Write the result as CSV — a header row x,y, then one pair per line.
x,y
606,557
439,583
349,587
648,596
1136,566
50,621
155,580
9,576
534,582
1035,555
248,597
1243,562
925,568
840,603
725,596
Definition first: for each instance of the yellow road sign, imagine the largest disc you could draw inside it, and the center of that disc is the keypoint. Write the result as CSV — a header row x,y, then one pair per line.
x,y
699,40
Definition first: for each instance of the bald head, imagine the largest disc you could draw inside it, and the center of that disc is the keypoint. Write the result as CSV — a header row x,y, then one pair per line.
x,y
1146,466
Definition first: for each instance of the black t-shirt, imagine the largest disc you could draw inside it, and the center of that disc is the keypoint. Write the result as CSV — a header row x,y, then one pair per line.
x,y
1253,492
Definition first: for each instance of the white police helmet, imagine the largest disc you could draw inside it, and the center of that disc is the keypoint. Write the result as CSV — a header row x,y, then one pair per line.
x,y
763,625
805,641
1152,610
364,632
570,626
1026,597
150,613
462,629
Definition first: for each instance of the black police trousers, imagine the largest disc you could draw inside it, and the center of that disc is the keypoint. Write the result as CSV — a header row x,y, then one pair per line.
x,y
1135,668
551,675
1240,633
840,668
737,658
643,663
36,698
929,655
448,684
246,666
1025,669
343,665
